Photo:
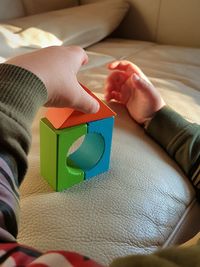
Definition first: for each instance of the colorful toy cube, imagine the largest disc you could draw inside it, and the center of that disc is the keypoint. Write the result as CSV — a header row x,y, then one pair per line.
x,y
60,129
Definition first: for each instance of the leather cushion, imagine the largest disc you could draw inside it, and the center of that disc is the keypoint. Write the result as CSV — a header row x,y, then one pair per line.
x,y
81,25
138,205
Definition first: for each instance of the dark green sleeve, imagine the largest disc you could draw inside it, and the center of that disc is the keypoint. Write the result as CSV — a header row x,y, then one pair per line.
x,y
181,140
21,95
172,257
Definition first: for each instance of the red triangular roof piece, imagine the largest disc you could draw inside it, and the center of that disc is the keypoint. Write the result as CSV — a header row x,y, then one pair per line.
x,y
66,117
57,116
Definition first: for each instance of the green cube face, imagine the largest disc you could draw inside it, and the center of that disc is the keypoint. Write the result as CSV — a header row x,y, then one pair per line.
x,y
54,147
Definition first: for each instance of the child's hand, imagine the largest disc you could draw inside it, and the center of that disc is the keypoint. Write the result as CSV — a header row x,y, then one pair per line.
x,y
57,67
128,85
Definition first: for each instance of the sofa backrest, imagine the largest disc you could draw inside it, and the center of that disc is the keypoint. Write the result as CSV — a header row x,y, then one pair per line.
x,y
10,9
174,22
39,6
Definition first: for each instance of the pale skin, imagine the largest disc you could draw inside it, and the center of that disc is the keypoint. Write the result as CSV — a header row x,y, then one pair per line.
x,y
128,85
57,67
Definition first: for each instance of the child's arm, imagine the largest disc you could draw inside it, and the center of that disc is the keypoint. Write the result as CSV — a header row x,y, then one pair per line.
x,y
170,257
127,84
21,95
46,76
181,140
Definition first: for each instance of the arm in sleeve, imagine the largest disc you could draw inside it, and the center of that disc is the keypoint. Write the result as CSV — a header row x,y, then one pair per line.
x,y
170,257
21,95
181,140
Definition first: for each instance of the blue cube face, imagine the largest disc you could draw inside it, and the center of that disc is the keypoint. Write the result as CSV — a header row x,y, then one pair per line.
x,y
89,152
93,156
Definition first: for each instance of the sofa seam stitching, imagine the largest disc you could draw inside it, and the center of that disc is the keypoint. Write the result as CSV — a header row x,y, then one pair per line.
x,y
183,219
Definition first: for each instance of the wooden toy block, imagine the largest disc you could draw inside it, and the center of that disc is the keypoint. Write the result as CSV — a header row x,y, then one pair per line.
x,y
104,128
60,129
65,117
54,147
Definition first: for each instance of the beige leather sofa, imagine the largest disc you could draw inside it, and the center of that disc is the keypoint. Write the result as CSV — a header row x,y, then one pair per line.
x,y
144,202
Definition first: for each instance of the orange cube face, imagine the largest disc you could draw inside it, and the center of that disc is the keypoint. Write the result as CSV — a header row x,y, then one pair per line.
x,y
66,117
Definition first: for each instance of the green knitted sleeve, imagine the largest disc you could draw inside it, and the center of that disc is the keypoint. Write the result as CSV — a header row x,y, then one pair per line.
x,y
180,139
171,257
21,95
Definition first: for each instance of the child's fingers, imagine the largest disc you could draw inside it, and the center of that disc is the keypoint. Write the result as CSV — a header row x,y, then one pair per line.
x,y
125,67
107,92
109,84
117,78
113,65
113,96
110,90
115,81
128,67
119,65
108,96
116,96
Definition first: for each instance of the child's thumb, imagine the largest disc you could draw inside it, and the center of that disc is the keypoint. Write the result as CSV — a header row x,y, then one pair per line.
x,y
87,103
141,84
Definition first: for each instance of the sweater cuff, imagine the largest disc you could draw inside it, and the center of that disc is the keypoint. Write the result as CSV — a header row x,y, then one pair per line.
x,y
165,125
22,93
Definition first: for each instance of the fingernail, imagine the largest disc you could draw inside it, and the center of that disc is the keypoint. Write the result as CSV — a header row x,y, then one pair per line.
x,y
135,77
114,64
96,107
